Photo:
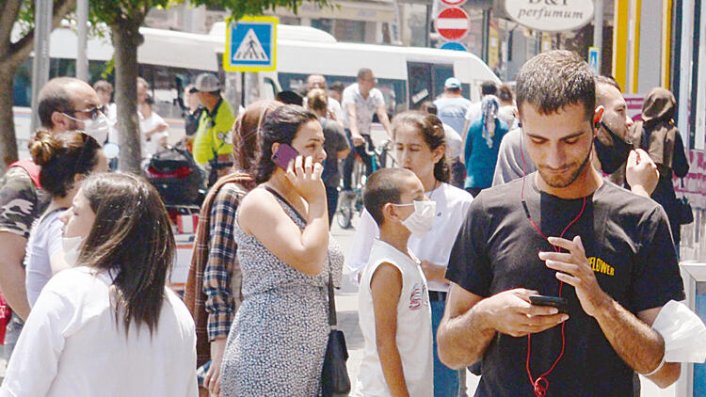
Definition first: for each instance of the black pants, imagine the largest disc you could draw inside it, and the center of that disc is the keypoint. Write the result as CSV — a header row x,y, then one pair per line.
x,y
332,198
349,161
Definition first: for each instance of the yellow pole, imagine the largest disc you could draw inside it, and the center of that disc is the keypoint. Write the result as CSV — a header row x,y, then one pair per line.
x,y
635,74
620,41
666,42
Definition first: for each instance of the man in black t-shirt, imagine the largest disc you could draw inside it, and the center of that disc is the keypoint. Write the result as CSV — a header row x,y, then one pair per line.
x,y
561,231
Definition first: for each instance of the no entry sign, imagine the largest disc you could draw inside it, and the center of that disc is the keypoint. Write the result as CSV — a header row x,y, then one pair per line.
x,y
453,3
452,23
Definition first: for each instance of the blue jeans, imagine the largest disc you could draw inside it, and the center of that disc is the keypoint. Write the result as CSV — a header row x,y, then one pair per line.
x,y
445,378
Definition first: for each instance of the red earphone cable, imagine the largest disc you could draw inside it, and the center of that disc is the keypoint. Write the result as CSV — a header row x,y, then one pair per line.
x,y
541,384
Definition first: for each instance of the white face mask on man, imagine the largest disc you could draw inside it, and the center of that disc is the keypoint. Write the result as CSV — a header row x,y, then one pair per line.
x,y
422,219
97,127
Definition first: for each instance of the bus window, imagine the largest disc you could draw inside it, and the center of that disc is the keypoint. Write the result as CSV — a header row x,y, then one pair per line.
x,y
420,83
439,75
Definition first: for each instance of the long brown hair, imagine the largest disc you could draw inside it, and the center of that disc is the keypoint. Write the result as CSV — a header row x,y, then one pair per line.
x,y
132,238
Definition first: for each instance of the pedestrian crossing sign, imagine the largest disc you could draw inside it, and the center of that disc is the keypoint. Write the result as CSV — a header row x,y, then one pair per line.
x,y
251,45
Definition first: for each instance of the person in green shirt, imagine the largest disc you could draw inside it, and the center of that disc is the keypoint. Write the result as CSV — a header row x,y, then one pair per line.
x,y
212,143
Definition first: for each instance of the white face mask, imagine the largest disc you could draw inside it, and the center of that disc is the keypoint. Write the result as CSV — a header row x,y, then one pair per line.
x,y
98,128
422,219
72,247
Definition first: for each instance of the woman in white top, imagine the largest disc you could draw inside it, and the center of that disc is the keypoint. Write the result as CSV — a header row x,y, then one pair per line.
x,y
420,146
66,159
109,327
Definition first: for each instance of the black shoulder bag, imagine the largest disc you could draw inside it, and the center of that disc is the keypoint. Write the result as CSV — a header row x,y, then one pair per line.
x,y
685,214
334,374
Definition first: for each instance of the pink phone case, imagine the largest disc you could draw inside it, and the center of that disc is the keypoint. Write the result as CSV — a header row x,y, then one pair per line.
x,y
284,155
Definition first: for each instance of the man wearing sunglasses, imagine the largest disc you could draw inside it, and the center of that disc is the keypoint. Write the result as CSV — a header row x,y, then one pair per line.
x,y
65,104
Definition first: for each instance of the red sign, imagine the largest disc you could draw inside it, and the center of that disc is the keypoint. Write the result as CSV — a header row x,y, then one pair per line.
x,y
452,23
453,3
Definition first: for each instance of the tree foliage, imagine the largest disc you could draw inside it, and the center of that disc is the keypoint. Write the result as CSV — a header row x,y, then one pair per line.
x,y
124,18
239,8
14,50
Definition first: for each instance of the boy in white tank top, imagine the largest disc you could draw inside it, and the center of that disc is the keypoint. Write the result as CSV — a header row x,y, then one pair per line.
x,y
393,302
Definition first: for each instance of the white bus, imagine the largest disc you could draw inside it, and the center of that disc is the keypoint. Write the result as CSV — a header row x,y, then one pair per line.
x,y
169,60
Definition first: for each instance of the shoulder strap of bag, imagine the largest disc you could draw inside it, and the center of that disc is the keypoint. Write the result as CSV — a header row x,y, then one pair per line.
x,y
32,169
284,200
332,321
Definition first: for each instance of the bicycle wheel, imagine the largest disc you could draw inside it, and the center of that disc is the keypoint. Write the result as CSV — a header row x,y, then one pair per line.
x,y
344,214
344,217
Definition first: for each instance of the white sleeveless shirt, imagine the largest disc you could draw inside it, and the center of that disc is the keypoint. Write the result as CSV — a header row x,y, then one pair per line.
x,y
414,336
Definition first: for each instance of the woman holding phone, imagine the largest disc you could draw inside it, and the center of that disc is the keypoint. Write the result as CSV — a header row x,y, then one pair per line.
x,y
277,342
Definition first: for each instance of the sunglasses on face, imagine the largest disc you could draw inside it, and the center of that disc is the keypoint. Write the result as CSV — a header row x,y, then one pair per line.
x,y
93,112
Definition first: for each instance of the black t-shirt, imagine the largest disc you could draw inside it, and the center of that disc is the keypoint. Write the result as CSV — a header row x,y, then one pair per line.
x,y
629,245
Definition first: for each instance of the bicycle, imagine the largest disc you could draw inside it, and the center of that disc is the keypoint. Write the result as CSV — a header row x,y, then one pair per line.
x,y
351,202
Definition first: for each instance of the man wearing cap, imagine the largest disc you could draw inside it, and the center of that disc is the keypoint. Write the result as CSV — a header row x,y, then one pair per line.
x,y
212,144
451,109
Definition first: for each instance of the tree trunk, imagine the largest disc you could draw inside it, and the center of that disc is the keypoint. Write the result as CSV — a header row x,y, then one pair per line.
x,y
8,141
126,39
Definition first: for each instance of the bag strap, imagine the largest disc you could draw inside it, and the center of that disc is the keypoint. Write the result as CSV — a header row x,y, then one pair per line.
x,y
284,200
332,320
32,169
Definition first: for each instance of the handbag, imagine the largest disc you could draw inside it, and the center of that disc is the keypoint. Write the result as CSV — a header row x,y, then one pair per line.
x,y
685,214
334,374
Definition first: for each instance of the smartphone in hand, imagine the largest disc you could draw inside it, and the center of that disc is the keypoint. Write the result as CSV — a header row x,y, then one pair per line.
x,y
562,304
284,154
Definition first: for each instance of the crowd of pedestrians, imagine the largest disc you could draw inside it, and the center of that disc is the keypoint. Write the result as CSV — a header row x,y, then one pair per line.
x,y
489,205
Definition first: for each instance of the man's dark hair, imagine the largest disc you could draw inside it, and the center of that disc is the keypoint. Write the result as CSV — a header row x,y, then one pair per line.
x,y
488,87
608,80
362,72
54,97
337,86
384,186
428,107
555,79
290,98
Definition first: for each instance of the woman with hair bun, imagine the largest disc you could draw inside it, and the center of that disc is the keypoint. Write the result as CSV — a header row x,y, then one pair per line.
x,y
65,160
109,326
420,146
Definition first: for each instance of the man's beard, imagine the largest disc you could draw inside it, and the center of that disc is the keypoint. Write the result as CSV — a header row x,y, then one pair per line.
x,y
562,182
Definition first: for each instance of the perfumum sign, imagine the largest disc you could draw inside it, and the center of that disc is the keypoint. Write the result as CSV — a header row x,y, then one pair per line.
x,y
550,15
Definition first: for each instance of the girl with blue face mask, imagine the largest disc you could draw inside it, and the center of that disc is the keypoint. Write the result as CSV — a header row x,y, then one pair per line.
x,y
420,146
